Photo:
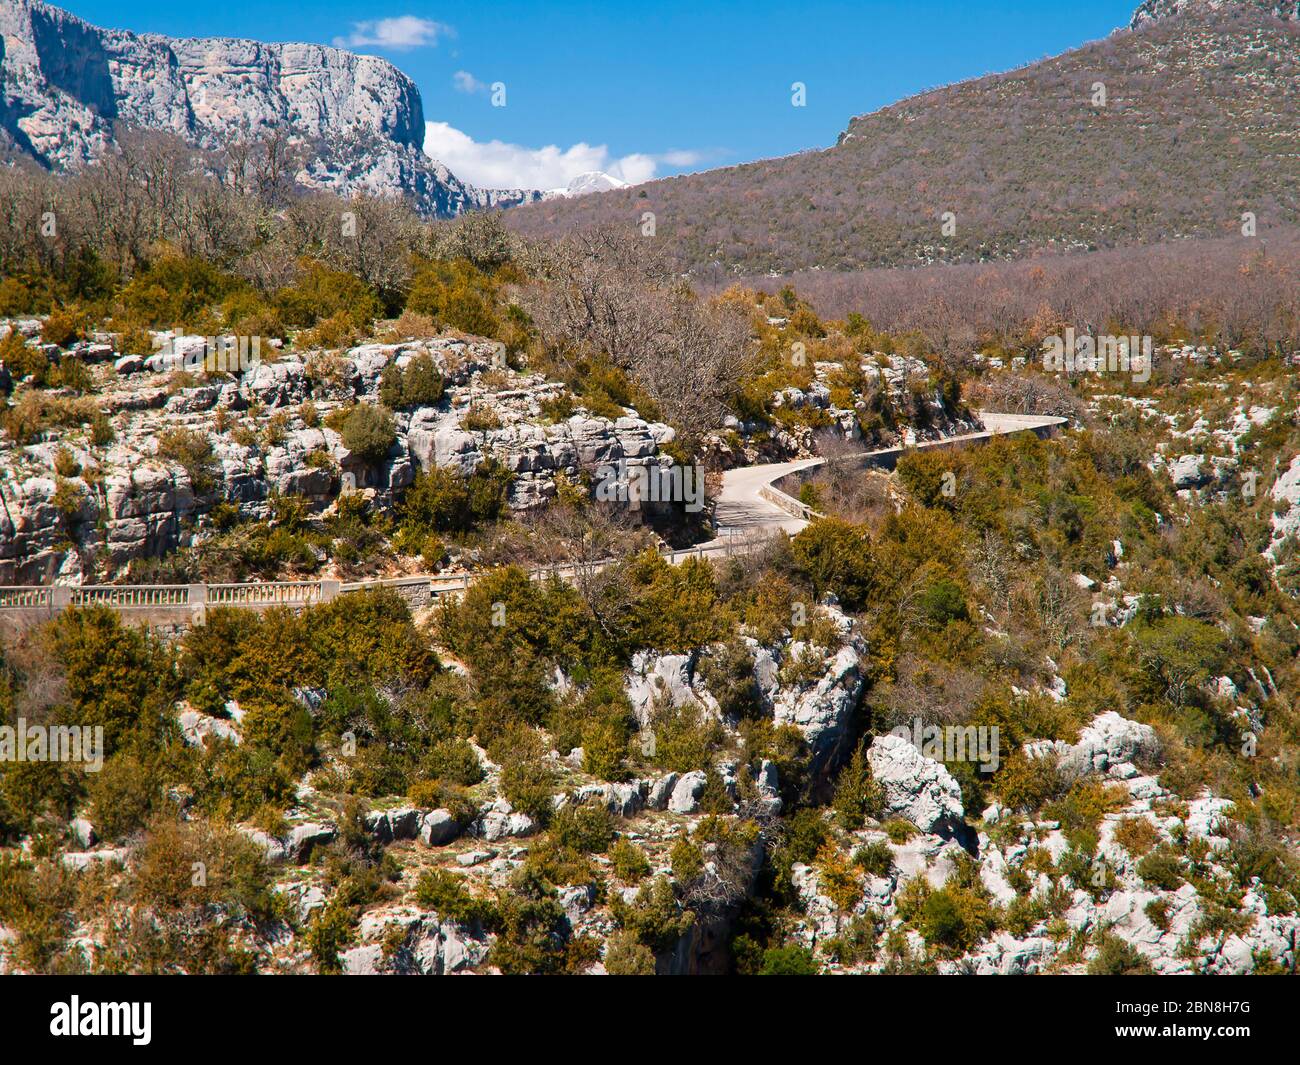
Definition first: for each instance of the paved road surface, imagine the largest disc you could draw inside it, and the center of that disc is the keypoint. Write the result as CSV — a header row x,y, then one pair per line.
x,y
741,511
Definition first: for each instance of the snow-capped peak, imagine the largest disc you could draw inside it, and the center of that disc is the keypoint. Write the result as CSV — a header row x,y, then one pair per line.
x,y
591,181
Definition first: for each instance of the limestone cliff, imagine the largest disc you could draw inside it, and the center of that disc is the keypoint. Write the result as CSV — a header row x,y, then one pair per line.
x,y
67,87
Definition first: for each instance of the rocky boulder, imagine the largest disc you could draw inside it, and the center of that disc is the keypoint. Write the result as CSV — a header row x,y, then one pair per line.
x,y
916,788
1109,740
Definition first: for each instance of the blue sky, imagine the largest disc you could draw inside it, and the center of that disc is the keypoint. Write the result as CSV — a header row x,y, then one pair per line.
x,y
651,89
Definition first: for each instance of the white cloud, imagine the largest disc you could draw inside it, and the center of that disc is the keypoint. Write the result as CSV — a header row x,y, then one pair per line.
x,y
402,32
464,81
679,157
499,165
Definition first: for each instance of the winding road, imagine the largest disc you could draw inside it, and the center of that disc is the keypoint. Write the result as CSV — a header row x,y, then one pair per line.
x,y
750,504
750,508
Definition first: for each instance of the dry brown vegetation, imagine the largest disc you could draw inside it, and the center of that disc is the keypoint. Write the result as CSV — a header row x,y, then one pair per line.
x,y
1199,126
1237,291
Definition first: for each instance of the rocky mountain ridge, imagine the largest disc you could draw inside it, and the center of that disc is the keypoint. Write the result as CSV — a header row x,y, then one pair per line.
x,y
1195,126
1153,10
67,88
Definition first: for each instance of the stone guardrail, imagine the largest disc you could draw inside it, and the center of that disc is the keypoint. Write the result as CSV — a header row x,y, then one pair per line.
x,y
788,503
183,604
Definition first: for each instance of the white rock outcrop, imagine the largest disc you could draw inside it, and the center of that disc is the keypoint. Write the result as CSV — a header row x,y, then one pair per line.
x,y
916,788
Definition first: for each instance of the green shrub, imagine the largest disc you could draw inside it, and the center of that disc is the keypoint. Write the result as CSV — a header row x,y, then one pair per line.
x,y
857,795
36,902
1081,809
654,916
676,609
35,412
62,327
625,956
728,672
687,860
124,795
585,827
445,893
101,431
629,862
1136,835
457,295
23,360
74,375
117,676
605,744
234,782
527,779
480,419
284,727
68,498
17,298
419,384
453,760
192,451
1162,869
837,556
856,943
176,291
33,791
65,464
532,931
368,432
792,960
321,293
899,831
686,738
953,920
332,333
1157,911
875,858
331,929
1025,784
442,501
1116,957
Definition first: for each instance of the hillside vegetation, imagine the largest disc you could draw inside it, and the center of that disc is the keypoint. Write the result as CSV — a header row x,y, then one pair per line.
x,y
646,768
1198,127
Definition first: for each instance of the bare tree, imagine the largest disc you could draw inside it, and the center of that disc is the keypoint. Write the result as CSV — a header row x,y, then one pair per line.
x,y
610,292
595,295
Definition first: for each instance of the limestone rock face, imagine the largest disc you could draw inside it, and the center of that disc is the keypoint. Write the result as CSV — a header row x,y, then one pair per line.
x,y
133,500
1110,740
1186,471
820,704
1285,518
304,838
66,83
1154,10
685,798
916,788
664,679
